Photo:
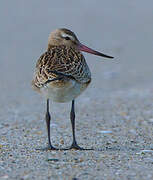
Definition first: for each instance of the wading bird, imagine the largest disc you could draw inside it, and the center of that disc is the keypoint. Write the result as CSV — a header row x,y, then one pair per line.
x,y
62,74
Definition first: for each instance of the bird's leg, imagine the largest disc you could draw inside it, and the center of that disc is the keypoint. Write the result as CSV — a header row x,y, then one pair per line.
x,y
72,117
48,118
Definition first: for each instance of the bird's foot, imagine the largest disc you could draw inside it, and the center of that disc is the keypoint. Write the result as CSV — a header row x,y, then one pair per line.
x,y
48,148
75,146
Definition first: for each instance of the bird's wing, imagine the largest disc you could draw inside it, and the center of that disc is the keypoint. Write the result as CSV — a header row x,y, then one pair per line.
x,y
58,61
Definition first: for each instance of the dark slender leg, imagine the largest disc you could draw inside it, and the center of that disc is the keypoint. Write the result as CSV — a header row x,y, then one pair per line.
x,y
48,118
72,117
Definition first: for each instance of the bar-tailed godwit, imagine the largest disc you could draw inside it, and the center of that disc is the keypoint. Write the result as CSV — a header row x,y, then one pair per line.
x,y
62,74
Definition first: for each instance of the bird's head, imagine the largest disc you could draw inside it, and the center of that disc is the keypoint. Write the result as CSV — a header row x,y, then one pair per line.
x,y
68,38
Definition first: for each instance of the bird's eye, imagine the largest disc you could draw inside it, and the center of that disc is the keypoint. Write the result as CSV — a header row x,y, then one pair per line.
x,y
67,38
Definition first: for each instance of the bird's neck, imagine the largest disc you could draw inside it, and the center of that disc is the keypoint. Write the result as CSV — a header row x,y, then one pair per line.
x,y
50,47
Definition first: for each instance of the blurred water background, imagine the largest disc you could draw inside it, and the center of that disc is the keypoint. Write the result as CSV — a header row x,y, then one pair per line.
x,y
123,29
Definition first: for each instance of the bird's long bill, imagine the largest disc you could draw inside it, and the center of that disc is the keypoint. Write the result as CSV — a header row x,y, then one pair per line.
x,y
91,51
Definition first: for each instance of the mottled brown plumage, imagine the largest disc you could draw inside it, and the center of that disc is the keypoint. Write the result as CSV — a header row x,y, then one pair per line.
x,y
63,59
62,56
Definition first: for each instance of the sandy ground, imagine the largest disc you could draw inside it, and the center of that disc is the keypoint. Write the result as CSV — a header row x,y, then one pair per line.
x,y
119,128
114,115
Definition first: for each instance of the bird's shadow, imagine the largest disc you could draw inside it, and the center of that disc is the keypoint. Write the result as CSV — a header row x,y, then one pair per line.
x,y
103,149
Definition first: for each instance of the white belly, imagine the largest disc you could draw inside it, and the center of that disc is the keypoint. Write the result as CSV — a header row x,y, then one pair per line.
x,y
63,93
